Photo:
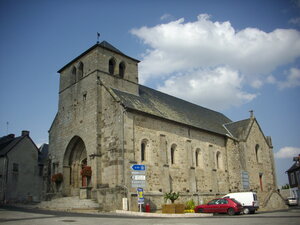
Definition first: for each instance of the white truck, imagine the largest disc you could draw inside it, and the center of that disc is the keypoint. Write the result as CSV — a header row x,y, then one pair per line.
x,y
248,200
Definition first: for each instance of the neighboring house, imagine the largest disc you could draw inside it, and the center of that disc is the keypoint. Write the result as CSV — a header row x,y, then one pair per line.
x,y
19,170
109,122
294,178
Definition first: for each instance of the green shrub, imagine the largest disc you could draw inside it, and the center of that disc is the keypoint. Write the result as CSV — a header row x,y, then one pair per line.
x,y
172,196
190,205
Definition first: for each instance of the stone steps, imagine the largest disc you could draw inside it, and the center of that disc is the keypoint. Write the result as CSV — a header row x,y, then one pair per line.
x,y
68,203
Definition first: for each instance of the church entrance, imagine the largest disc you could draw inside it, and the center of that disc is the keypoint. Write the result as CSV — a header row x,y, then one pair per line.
x,y
75,159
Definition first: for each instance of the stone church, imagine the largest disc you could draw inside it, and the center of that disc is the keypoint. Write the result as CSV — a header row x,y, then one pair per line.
x,y
108,122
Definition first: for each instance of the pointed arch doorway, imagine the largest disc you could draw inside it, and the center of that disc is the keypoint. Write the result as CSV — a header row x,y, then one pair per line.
x,y
75,159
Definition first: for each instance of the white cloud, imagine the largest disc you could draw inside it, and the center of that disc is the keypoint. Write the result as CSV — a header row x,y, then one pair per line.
x,y
287,152
177,46
198,84
292,80
182,51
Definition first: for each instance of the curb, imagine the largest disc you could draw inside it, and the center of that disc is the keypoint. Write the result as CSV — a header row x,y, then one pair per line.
x,y
143,214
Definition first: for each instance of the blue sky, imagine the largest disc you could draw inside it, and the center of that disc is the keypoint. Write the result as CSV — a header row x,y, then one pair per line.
x,y
230,56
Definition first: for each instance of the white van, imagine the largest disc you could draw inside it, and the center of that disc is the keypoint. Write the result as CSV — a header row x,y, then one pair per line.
x,y
248,200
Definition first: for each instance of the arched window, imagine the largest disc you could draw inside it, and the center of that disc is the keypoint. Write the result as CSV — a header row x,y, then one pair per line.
x,y
144,150
73,76
122,69
219,164
111,66
199,158
173,149
258,153
80,70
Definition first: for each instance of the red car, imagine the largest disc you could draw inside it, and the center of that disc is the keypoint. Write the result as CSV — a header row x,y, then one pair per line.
x,y
220,205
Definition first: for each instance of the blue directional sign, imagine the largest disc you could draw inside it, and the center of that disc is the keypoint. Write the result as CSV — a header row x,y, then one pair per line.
x,y
138,167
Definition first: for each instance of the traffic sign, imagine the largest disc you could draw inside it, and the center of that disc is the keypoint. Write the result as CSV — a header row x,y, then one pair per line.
x,y
138,177
138,167
138,172
140,193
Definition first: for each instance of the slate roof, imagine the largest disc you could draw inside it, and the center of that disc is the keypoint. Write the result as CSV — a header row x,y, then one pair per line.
x,y
238,129
171,108
294,167
103,44
43,153
8,142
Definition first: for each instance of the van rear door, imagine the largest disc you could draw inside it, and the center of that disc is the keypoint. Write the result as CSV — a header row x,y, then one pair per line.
x,y
255,201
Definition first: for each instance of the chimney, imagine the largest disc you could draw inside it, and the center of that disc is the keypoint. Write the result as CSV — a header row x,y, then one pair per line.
x,y
251,114
25,133
11,136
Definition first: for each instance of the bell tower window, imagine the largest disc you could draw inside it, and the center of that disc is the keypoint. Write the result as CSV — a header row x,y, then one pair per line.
x,y
122,69
111,66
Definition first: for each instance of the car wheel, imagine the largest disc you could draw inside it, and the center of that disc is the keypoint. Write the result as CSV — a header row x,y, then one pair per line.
x,y
230,212
246,211
200,210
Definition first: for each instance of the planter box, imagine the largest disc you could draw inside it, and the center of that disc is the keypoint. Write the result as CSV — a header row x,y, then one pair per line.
x,y
173,208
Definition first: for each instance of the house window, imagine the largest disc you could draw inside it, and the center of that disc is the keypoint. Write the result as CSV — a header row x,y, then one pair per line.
x,y
111,66
80,70
122,69
15,168
245,180
173,149
293,180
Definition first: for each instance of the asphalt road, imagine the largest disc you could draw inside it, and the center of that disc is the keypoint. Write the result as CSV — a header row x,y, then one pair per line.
x,y
24,216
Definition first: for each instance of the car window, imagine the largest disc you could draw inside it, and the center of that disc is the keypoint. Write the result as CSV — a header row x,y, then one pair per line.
x,y
255,197
213,202
222,201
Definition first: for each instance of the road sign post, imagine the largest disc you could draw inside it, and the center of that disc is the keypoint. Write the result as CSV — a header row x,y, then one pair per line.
x,y
138,176
141,200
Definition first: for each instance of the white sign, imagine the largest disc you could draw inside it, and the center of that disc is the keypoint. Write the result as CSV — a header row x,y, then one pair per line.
x,y
138,177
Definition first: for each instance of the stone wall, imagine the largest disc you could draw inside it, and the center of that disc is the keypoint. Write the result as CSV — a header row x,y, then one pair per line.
x,y
197,163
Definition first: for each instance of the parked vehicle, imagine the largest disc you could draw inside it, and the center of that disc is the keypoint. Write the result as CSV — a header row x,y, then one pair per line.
x,y
248,200
291,201
220,205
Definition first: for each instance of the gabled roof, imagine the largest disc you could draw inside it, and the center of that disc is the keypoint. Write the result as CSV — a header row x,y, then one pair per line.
x,y
239,129
174,109
7,143
103,44
294,167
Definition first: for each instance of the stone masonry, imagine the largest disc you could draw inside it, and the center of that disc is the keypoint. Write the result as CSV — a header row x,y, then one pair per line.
x,y
108,121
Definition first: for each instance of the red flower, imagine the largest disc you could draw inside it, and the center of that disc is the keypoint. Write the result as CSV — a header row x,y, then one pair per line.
x,y
57,178
86,171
